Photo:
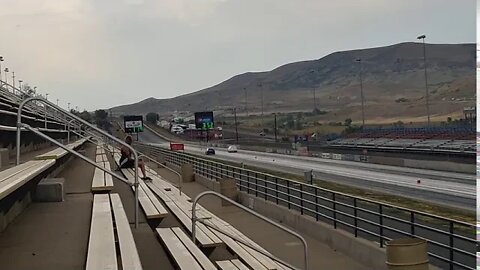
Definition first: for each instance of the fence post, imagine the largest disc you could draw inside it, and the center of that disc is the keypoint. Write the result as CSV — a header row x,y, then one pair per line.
x,y
288,194
451,244
380,210
301,199
248,182
334,210
355,215
256,184
316,203
276,190
412,223
265,187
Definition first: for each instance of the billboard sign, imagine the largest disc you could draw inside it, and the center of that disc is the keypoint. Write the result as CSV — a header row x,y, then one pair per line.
x,y
204,120
133,123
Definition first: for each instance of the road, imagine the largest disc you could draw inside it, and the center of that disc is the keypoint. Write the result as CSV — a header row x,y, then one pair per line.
x,y
446,188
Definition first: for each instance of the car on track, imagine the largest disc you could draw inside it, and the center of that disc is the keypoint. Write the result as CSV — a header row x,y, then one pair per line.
x,y
232,149
210,151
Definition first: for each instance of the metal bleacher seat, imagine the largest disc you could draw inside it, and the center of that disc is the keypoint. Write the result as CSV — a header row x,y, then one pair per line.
x,y
108,211
180,205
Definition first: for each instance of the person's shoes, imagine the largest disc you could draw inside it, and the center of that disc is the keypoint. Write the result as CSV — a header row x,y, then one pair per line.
x,y
146,178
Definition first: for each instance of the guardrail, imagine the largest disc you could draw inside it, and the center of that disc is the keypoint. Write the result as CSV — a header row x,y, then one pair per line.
x,y
452,243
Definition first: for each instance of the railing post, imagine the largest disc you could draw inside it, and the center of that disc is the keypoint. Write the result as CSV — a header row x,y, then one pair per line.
x,y
316,203
288,194
265,182
256,184
451,244
412,223
276,190
334,210
301,199
355,215
380,210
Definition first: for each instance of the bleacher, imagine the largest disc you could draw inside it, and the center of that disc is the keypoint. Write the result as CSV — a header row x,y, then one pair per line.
x,y
112,243
454,139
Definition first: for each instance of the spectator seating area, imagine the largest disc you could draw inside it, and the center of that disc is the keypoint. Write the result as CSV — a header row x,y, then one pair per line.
x,y
454,139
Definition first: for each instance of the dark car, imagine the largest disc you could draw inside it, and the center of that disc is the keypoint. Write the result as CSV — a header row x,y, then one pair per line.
x,y
210,151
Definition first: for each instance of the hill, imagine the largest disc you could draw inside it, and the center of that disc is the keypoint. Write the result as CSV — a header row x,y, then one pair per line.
x,y
393,82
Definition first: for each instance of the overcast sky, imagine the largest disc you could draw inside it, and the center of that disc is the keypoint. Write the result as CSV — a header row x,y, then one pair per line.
x,y
102,53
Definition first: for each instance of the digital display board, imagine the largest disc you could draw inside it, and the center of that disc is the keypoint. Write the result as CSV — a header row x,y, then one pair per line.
x,y
204,120
133,123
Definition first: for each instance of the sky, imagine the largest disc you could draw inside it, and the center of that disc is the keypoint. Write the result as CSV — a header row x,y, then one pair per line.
x,y
102,53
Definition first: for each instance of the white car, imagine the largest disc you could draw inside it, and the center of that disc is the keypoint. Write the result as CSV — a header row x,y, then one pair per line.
x,y
232,149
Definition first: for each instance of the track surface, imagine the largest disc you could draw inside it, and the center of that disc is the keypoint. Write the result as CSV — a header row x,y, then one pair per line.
x,y
447,188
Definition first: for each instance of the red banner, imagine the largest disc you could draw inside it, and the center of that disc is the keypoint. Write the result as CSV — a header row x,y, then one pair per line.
x,y
177,146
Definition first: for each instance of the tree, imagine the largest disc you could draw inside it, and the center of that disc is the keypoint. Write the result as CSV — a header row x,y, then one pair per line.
x,y
152,117
348,122
101,115
449,119
85,116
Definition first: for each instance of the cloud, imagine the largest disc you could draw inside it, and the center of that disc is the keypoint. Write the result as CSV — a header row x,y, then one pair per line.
x,y
102,53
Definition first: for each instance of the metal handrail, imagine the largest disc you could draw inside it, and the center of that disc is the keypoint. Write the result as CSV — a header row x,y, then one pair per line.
x,y
86,159
323,189
295,191
19,125
164,166
213,193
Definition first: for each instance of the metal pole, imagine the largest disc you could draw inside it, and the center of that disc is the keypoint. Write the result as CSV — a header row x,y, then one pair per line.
x,y
361,94
13,84
236,125
1,60
426,82
194,220
245,91
275,127
135,155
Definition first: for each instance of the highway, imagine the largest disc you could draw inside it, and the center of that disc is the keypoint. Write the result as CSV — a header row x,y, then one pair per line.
x,y
446,188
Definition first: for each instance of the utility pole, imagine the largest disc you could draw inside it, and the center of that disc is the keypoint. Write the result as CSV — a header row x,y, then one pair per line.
x,y
13,77
275,127
236,125
1,60
359,60
422,37
245,91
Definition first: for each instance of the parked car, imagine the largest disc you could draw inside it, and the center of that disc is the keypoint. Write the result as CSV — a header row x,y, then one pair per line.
x,y
262,134
210,151
232,149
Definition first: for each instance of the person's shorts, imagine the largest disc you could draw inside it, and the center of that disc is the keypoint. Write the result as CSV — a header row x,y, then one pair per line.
x,y
127,163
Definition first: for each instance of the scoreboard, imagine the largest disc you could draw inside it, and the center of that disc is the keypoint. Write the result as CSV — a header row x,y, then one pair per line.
x,y
204,120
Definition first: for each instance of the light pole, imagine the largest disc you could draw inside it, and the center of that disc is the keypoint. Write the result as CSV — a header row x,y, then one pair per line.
x,y
20,84
245,91
314,98
261,99
422,37
6,78
1,60
13,77
46,96
68,106
57,101
359,60
236,125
